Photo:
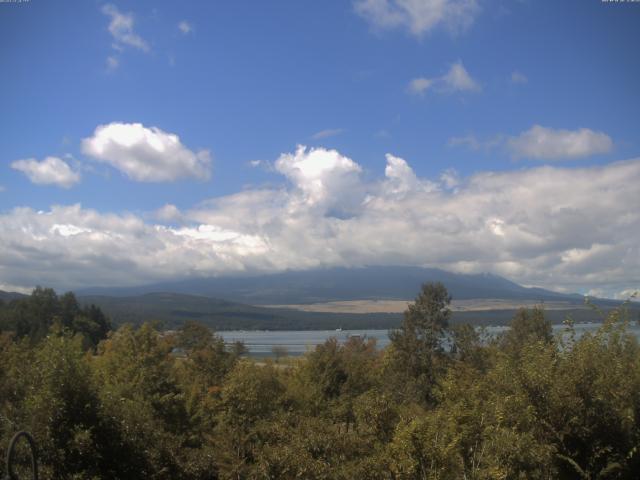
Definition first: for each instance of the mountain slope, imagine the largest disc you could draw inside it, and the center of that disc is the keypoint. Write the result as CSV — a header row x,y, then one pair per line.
x,y
339,284
173,309
8,296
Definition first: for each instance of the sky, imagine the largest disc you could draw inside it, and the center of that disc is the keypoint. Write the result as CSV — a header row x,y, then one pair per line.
x,y
150,140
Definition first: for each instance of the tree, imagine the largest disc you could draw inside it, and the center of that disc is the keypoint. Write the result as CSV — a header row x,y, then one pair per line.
x,y
528,326
250,396
416,347
194,335
33,316
141,396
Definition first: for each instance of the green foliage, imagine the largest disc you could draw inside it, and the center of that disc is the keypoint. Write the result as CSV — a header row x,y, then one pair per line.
x,y
527,327
416,352
31,317
183,405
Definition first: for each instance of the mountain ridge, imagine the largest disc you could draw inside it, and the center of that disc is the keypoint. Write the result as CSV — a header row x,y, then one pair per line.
x,y
339,284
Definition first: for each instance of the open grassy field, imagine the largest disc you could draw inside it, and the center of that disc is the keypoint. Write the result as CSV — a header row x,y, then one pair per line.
x,y
399,306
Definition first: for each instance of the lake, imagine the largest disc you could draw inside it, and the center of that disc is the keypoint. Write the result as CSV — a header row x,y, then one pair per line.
x,y
297,342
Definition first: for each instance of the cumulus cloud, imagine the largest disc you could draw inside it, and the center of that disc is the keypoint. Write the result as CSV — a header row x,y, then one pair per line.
x,y
400,179
419,16
323,177
168,213
457,79
50,171
121,29
549,144
146,154
567,228
450,178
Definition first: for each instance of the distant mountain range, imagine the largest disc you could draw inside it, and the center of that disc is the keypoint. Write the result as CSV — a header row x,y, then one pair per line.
x,y
242,302
341,284
8,296
173,309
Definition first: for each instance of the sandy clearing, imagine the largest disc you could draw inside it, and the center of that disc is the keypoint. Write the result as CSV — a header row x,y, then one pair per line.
x,y
399,306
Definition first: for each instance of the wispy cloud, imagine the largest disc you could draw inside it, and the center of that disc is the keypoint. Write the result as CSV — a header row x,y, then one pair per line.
x,y
121,29
419,16
472,142
123,35
457,79
112,62
518,78
418,86
260,163
330,132
542,143
185,27
550,144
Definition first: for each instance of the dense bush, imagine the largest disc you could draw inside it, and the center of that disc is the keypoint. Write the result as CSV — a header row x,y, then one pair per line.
x,y
148,404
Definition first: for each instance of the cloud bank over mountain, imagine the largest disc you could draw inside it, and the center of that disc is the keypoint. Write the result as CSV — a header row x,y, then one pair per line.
x,y
564,228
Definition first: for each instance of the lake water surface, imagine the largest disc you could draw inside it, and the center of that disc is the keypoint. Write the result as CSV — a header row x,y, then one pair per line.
x,y
297,342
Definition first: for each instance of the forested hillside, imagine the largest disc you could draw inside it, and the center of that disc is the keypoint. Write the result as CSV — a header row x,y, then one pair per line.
x,y
525,405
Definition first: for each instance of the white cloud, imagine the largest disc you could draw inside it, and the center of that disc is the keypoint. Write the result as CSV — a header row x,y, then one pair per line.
x,y
401,179
121,29
472,142
146,154
419,85
112,62
324,177
50,171
548,144
330,132
568,228
5,287
542,143
168,213
518,78
419,16
185,27
450,178
631,294
457,79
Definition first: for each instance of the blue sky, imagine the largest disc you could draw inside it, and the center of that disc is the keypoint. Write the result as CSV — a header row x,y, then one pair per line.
x,y
464,93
